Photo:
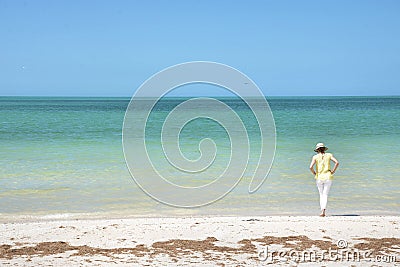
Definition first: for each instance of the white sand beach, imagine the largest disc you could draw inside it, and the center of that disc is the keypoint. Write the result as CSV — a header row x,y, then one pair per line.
x,y
203,241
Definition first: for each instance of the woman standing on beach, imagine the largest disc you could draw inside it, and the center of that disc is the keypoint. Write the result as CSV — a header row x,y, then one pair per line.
x,y
323,173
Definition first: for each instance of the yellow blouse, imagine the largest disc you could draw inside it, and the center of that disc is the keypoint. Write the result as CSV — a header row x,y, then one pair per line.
x,y
323,166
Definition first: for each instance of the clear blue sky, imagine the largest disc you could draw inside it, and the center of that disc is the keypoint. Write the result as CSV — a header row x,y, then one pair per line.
x,y
108,48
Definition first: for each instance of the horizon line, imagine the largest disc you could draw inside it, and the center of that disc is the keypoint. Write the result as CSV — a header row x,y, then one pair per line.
x,y
105,96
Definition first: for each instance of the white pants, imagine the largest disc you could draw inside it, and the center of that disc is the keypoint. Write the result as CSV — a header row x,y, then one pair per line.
x,y
323,188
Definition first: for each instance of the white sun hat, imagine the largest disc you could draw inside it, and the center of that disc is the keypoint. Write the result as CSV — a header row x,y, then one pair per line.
x,y
319,145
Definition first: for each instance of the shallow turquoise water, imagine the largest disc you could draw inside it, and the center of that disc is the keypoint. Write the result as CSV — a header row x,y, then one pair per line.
x,y
64,155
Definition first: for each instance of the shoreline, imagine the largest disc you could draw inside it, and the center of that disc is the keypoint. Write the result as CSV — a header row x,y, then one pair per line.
x,y
38,217
182,241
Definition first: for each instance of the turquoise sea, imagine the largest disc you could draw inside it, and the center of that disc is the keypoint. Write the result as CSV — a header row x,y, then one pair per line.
x,y
63,156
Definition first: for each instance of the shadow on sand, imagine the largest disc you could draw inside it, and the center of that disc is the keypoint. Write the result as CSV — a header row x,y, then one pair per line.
x,y
345,215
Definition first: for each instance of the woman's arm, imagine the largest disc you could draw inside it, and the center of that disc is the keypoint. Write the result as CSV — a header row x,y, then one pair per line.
x,y
336,164
312,166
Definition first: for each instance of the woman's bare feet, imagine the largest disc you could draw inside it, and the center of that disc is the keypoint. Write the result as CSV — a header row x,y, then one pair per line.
x,y
322,213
